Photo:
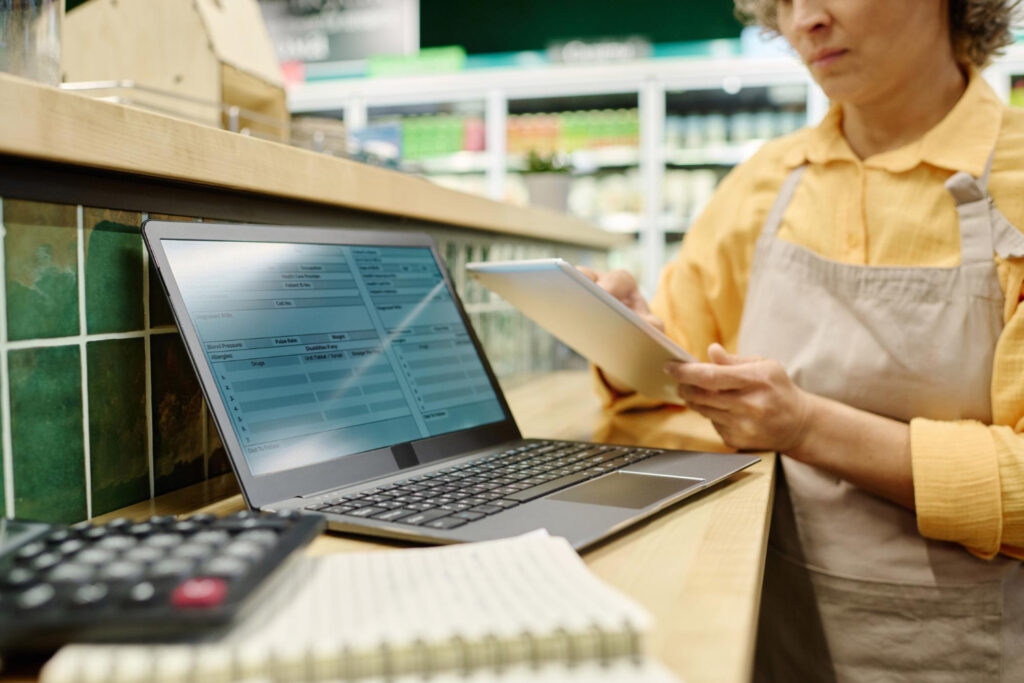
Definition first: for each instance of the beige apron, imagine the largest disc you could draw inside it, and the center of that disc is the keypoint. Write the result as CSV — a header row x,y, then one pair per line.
x,y
852,590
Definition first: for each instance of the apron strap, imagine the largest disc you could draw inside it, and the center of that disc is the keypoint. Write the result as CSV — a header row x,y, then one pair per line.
x,y
782,199
972,207
983,229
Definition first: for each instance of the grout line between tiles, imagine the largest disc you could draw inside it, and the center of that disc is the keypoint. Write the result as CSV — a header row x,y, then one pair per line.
x,y
78,339
5,384
83,334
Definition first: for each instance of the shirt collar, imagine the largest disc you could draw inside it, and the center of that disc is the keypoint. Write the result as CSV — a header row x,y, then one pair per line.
x,y
961,141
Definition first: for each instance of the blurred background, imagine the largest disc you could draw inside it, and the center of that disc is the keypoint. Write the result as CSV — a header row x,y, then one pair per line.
x,y
625,114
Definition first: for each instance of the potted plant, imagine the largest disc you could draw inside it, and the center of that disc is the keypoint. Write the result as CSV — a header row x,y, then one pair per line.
x,y
547,180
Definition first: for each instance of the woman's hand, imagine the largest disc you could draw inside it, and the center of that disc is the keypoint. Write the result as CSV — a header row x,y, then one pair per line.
x,y
751,401
622,285
755,405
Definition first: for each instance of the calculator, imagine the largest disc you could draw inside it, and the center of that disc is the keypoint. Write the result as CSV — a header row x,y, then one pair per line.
x,y
162,578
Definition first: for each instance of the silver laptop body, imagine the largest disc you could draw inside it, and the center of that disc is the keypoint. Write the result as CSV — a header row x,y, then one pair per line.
x,y
345,378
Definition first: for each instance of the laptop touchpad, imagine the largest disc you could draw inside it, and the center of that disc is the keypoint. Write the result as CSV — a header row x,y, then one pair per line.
x,y
623,490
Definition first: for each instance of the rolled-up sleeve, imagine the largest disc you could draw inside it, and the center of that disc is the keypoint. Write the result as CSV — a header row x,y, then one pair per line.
x,y
969,477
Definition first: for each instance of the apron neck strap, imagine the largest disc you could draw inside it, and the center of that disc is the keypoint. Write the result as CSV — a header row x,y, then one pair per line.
x,y
782,199
1006,240
975,210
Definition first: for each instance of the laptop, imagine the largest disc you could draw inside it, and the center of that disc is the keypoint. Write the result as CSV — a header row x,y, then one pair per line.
x,y
345,379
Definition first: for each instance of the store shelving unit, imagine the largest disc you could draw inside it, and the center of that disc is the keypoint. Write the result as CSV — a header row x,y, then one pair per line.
x,y
629,182
651,185
694,118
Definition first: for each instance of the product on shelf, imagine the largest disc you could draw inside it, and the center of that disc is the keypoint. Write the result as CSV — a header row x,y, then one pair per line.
x,y
686,193
379,143
568,132
1017,92
474,134
717,129
422,137
603,147
432,135
614,200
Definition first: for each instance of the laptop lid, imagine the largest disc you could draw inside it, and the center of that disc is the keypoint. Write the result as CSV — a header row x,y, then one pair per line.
x,y
327,356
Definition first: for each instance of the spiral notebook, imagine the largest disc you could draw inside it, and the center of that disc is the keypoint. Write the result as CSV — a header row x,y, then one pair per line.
x,y
525,608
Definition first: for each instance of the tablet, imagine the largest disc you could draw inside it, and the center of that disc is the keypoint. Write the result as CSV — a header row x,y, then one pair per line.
x,y
566,303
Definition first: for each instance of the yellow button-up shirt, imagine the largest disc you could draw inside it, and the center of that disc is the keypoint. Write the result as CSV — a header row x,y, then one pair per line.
x,y
890,209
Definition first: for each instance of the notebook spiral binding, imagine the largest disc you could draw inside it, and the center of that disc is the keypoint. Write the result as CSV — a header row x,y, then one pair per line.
x,y
490,652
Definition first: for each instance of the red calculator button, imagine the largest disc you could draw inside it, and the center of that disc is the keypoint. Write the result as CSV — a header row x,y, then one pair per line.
x,y
200,592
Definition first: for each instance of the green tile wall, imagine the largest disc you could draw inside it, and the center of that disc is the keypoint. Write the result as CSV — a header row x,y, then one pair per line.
x,y
90,440
113,263
118,453
178,415
46,433
41,266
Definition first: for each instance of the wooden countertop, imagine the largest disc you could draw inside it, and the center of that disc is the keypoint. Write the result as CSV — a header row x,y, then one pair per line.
x,y
697,567
44,123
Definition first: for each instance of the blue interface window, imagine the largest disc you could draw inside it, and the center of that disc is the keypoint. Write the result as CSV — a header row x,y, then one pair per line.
x,y
321,351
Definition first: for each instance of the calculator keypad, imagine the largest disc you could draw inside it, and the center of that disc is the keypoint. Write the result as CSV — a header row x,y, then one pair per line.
x,y
124,579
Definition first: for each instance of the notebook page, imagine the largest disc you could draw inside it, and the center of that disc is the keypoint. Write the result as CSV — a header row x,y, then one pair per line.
x,y
357,614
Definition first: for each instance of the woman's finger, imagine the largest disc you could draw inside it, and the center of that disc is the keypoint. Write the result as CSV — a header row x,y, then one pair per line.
x,y
620,284
710,376
722,400
592,274
716,415
653,321
718,355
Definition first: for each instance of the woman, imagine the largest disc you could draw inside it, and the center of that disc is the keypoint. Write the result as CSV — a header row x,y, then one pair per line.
x,y
868,276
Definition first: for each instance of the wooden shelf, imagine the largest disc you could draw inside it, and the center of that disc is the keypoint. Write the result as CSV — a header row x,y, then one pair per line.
x,y
43,123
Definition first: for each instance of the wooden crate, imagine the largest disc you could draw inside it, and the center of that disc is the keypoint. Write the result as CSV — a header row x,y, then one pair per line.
x,y
211,55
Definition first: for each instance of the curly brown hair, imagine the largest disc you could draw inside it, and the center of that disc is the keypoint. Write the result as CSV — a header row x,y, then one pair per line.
x,y
979,29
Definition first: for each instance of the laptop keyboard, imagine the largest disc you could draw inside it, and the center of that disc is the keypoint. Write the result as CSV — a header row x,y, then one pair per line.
x,y
451,497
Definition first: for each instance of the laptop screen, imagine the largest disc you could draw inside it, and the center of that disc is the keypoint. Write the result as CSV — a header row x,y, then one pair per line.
x,y
320,351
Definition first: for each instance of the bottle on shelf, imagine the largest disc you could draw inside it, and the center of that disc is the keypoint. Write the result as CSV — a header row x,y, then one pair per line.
x,y
716,130
572,131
